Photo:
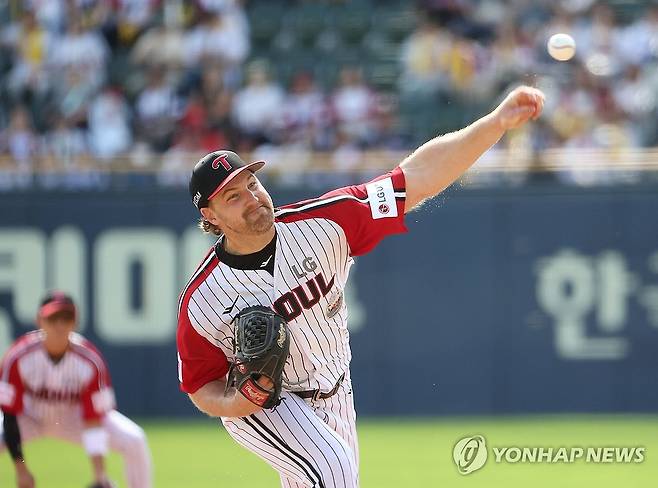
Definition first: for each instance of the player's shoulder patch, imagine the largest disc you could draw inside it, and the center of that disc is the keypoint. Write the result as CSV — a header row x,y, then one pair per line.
x,y
381,198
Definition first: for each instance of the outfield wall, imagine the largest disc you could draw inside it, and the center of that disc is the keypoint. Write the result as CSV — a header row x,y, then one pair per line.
x,y
540,299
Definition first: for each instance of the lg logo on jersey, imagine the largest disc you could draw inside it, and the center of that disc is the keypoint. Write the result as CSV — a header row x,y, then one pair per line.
x,y
308,265
291,304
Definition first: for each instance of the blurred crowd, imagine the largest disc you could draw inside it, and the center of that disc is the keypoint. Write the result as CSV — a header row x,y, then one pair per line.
x,y
153,84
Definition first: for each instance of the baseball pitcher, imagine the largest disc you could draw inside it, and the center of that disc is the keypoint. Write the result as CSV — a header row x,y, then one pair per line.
x,y
262,334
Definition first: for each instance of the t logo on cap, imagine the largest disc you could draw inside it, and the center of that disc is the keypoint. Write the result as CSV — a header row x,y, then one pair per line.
x,y
222,159
213,172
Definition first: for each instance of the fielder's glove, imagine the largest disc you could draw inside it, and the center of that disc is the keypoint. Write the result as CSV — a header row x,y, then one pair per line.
x,y
261,349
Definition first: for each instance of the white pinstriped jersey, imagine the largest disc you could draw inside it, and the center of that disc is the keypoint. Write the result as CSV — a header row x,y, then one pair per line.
x,y
315,244
78,385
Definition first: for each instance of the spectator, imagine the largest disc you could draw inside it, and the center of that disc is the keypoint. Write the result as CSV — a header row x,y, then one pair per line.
x,y
303,113
82,50
636,96
109,124
511,55
175,169
132,16
73,96
30,43
639,40
425,59
354,104
157,109
462,65
219,37
598,39
576,112
257,107
65,159
187,77
65,145
198,120
210,106
20,141
389,134
161,45
51,14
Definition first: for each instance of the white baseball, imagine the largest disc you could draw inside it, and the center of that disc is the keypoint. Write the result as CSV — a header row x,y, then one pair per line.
x,y
561,47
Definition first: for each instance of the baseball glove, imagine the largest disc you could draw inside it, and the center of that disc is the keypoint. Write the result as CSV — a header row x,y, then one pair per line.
x,y
261,349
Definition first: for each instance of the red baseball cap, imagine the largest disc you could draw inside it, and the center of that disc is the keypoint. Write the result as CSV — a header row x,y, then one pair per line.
x,y
55,302
213,172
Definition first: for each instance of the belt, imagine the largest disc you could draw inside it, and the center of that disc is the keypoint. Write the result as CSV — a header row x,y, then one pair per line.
x,y
318,394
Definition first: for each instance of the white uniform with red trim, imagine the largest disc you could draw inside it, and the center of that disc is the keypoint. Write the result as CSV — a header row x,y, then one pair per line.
x,y
309,442
54,399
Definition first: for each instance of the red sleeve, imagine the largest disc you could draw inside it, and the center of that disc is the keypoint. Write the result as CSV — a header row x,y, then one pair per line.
x,y
199,362
11,386
367,213
97,398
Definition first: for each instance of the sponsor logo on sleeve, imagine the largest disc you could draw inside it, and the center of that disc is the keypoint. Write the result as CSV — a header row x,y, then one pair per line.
x,y
381,198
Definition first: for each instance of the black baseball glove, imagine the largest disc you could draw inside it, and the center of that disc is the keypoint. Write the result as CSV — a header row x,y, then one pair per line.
x,y
261,349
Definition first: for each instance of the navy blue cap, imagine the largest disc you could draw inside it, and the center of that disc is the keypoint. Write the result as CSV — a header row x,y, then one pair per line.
x,y
213,172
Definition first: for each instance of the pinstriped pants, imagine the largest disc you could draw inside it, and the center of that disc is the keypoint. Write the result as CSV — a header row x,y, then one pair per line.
x,y
309,443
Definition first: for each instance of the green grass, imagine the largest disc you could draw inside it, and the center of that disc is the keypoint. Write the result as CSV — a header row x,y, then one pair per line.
x,y
394,453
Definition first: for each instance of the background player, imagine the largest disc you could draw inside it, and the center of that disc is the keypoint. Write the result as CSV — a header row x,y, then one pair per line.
x,y
297,261
55,383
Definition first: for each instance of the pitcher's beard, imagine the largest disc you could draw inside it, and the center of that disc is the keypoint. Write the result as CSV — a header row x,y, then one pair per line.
x,y
260,220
